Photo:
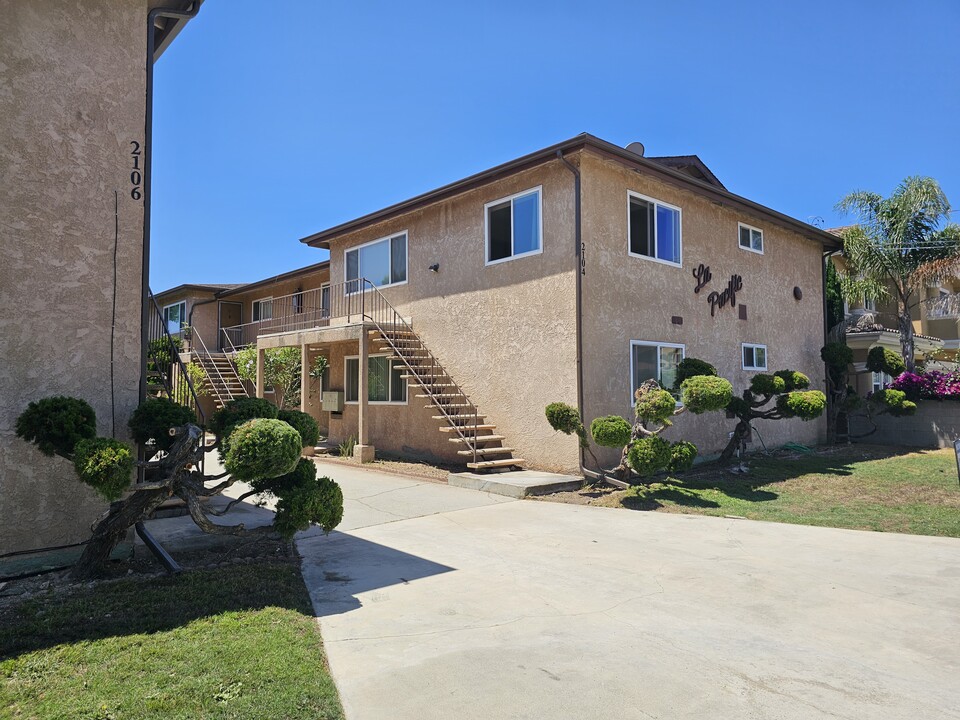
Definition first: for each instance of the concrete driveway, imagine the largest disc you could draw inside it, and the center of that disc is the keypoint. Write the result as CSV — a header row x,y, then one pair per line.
x,y
438,602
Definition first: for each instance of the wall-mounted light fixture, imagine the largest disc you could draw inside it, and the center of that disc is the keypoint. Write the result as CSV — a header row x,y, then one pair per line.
x,y
797,293
434,268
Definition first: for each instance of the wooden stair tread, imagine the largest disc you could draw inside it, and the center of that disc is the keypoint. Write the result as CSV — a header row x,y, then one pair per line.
x,y
477,438
486,451
484,464
450,428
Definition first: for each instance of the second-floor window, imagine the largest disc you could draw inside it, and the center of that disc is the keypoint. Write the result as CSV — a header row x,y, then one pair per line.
x,y
175,317
654,229
262,309
513,227
751,238
383,262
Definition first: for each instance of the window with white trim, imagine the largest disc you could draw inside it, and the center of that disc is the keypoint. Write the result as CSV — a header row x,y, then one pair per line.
x,y
385,381
262,309
754,356
513,226
175,317
383,262
880,381
654,229
654,361
751,238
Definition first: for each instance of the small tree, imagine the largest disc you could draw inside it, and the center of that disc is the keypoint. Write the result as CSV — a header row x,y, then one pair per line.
x,y
255,447
282,369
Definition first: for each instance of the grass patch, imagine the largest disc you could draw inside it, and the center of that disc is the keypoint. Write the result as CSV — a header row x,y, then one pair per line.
x,y
859,487
234,642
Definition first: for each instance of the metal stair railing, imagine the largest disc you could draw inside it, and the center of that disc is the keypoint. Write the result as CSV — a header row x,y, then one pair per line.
x,y
378,310
205,354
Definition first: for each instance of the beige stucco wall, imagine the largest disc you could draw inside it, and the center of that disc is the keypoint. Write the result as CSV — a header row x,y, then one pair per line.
x,y
505,332
628,298
72,85
201,312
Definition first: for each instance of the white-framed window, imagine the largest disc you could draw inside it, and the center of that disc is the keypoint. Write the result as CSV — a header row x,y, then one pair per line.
x,y
754,356
262,309
654,360
513,226
654,229
880,381
383,262
385,384
751,238
175,317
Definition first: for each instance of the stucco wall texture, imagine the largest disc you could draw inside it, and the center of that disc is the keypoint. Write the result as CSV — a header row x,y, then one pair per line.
x,y
630,298
72,85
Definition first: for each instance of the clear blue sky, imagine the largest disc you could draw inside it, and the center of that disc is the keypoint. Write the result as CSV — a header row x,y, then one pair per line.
x,y
277,119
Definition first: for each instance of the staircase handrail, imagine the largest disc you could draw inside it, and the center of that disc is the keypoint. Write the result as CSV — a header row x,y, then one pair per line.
x,y
206,354
378,312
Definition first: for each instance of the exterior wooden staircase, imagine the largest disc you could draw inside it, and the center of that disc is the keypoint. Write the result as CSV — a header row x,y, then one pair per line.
x,y
222,377
458,416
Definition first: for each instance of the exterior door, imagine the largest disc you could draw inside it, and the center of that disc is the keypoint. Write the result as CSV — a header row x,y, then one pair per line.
x,y
230,315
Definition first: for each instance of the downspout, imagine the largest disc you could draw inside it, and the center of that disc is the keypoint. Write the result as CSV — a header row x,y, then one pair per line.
x,y
152,16
578,254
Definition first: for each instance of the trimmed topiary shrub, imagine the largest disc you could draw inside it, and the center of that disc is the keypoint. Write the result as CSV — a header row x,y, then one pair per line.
x,y
692,367
805,405
610,431
705,393
239,411
682,455
880,359
104,464
793,380
57,424
649,455
262,448
654,404
837,356
305,499
154,418
303,424
564,418
763,384
895,402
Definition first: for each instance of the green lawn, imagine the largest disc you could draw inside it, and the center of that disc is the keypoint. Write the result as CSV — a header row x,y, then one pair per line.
x,y
862,487
235,642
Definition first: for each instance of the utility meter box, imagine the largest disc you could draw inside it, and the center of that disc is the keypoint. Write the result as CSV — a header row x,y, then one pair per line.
x,y
332,401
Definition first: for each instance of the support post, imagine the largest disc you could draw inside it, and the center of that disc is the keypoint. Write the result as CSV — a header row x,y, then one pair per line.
x,y
304,378
363,451
261,358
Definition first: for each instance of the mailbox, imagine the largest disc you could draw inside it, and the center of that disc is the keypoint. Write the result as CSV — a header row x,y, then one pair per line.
x,y
332,401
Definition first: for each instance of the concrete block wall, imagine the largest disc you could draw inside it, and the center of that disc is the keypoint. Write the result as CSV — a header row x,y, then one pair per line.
x,y
936,425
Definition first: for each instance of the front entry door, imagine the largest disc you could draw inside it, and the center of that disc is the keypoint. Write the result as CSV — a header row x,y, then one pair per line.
x,y
230,315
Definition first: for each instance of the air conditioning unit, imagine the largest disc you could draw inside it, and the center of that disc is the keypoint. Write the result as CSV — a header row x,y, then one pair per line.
x,y
332,401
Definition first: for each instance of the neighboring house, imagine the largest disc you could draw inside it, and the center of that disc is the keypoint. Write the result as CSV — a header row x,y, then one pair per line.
x,y
75,80
572,274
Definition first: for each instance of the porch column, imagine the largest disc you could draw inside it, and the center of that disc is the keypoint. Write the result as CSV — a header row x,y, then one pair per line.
x,y
261,358
363,451
304,378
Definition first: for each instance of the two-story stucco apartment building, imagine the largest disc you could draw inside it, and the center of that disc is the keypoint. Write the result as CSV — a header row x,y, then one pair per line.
x,y
571,274
74,187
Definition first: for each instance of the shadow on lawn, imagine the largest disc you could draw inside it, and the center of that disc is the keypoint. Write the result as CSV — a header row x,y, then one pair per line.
x,y
765,470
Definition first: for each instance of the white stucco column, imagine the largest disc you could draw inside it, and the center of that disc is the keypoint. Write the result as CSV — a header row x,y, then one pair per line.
x,y
261,357
363,450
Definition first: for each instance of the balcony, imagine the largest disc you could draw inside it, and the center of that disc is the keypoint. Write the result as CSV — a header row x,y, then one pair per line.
x,y
945,307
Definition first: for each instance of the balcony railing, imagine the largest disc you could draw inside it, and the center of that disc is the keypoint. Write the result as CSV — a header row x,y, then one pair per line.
x,y
336,304
944,307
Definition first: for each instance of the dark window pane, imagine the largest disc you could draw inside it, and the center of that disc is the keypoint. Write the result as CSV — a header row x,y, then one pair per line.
x,y
748,357
668,234
498,220
353,265
377,379
526,224
641,227
645,365
352,379
398,386
398,259
744,237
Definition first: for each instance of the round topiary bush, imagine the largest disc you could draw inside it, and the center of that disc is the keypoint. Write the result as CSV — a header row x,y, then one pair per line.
x,y
805,405
262,448
682,455
154,418
239,411
610,431
57,424
764,384
880,359
104,464
895,402
837,356
564,418
692,367
793,380
303,424
649,455
705,393
305,499
653,403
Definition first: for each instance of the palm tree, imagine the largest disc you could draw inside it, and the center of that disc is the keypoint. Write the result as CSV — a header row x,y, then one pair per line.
x,y
899,244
